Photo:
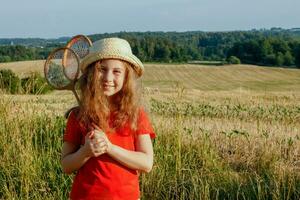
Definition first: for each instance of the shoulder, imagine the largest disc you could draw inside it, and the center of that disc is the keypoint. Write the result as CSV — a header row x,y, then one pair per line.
x,y
72,112
144,125
73,131
142,112
143,115
72,116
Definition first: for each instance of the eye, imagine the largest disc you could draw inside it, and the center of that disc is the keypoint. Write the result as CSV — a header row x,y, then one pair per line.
x,y
103,69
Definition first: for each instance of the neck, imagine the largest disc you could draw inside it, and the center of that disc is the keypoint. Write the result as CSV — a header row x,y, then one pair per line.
x,y
112,104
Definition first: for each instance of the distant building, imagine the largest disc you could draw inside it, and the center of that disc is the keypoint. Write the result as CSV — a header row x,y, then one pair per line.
x,y
295,29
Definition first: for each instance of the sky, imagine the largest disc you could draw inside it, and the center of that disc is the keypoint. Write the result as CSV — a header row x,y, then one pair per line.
x,y
59,18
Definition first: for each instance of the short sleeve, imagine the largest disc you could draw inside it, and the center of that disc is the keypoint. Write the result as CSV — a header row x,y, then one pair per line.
x,y
72,132
144,125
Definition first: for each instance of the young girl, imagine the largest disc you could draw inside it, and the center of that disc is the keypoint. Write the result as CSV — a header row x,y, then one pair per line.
x,y
108,138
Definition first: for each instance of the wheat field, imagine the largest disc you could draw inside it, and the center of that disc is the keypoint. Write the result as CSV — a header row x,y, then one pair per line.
x,y
223,132
199,77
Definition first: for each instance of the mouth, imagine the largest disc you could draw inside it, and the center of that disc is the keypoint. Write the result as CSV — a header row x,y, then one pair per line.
x,y
107,86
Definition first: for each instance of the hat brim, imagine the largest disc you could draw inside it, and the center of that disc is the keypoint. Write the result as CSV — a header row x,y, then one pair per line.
x,y
132,59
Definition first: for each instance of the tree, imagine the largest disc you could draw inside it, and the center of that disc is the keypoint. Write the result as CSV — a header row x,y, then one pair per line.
x,y
296,53
233,60
288,59
279,59
270,59
162,53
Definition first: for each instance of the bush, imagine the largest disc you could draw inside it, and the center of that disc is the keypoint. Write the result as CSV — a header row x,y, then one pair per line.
x,y
270,59
233,60
9,81
5,58
35,84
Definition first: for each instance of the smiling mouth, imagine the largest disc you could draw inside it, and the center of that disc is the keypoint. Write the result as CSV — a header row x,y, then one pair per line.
x,y
108,86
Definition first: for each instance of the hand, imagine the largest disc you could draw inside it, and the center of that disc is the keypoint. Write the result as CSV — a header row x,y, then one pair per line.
x,y
99,133
95,145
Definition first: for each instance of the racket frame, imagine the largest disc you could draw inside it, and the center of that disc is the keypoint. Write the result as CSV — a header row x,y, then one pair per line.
x,y
71,85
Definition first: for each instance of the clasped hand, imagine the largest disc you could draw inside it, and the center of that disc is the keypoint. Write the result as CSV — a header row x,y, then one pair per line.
x,y
96,142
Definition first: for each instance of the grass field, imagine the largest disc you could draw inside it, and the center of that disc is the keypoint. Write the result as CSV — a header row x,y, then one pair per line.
x,y
200,77
223,132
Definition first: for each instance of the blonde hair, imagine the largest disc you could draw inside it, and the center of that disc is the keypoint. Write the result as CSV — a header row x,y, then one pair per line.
x,y
95,107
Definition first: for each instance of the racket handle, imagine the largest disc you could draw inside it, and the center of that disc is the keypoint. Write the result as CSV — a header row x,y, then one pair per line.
x,y
76,95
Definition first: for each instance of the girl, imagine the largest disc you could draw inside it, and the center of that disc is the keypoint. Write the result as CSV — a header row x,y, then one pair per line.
x,y
108,138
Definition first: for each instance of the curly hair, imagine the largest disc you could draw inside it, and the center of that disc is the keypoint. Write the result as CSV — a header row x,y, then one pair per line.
x,y
95,107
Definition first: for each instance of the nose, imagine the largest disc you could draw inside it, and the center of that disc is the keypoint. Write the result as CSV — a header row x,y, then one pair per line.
x,y
108,76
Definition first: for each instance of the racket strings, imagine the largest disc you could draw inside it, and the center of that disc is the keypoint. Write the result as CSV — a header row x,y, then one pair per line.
x,y
80,47
54,71
71,65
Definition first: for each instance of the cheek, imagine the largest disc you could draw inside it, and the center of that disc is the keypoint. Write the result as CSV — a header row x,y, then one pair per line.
x,y
120,78
100,77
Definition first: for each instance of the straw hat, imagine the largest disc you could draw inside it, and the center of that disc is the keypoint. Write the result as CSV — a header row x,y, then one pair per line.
x,y
112,48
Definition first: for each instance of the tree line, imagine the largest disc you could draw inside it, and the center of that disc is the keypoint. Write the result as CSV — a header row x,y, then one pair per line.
x,y
9,53
267,47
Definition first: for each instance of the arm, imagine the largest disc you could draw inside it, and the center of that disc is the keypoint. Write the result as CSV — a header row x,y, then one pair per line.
x,y
73,157
141,159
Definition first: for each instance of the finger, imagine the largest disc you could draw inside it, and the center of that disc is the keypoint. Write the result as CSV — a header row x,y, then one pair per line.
x,y
95,147
96,126
98,139
98,129
90,127
99,134
98,152
91,134
100,145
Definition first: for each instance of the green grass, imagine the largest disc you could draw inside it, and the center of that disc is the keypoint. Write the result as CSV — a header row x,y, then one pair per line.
x,y
203,150
229,132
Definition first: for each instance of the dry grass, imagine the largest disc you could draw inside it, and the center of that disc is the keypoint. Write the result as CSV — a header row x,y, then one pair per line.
x,y
205,78
24,68
196,157
221,134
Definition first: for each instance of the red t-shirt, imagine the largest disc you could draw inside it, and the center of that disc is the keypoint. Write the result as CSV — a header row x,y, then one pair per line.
x,y
102,177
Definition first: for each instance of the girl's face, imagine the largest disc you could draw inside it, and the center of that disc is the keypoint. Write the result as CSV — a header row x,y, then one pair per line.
x,y
112,75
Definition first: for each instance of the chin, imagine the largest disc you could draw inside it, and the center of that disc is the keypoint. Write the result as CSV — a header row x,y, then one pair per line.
x,y
109,94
